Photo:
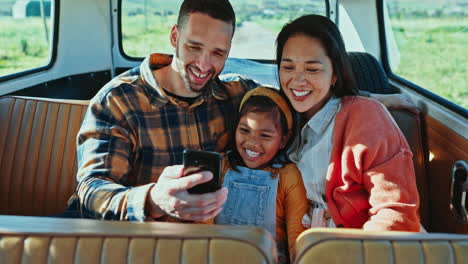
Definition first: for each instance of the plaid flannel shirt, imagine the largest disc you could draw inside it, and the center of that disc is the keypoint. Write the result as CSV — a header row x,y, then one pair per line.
x,y
133,130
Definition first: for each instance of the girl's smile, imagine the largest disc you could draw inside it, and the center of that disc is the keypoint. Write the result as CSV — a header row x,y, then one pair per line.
x,y
258,138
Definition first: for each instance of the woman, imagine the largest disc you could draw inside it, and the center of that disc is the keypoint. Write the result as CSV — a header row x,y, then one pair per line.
x,y
355,162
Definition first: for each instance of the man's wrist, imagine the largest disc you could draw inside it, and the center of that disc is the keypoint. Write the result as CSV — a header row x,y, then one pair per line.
x,y
151,208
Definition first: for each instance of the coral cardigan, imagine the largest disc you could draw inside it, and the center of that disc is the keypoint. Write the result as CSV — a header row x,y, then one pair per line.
x,y
370,180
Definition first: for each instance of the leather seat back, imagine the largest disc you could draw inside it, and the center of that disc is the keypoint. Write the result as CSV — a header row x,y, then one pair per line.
x,y
320,245
26,239
37,154
410,125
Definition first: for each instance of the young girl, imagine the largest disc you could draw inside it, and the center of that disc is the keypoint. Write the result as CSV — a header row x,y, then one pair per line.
x,y
264,190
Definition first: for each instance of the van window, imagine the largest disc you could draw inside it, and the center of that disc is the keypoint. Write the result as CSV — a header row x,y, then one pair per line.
x,y
25,35
431,38
145,25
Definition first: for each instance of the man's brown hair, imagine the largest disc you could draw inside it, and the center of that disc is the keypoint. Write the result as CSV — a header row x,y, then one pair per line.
x,y
217,9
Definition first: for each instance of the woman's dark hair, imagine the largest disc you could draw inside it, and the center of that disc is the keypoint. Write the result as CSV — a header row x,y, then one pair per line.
x,y
258,104
217,9
324,30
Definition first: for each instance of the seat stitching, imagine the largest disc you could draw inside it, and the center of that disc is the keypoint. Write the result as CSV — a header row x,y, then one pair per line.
x,y
453,251
22,249
103,239
8,181
392,248
156,244
181,249
27,147
423,251
47,257
36,207
20,121
75,249
50,160
208,246
129,240
61,163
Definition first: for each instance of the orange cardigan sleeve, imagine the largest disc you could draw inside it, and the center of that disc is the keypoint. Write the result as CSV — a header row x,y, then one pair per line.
x,y
295,204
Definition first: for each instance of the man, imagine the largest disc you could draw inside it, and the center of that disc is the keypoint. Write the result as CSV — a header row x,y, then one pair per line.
x,y
140,122
137,126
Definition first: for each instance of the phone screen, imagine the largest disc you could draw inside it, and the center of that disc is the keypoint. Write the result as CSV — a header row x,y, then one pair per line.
x,y
195,161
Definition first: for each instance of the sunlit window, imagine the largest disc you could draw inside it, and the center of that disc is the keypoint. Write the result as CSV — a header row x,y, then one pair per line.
x,y
25,35
431,38
146,25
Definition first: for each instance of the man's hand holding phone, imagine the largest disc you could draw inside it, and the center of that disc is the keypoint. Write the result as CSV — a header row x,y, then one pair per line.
x,y
170,196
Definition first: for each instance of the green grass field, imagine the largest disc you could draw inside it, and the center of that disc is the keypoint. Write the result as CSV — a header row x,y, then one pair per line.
x,y
436,59
23,44
433,51
138,41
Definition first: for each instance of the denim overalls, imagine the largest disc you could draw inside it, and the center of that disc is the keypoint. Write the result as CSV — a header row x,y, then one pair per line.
x,y
251,199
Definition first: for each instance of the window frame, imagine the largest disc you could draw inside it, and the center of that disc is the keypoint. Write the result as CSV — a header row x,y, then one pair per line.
x,y
399,79
119,29
53,54
127,57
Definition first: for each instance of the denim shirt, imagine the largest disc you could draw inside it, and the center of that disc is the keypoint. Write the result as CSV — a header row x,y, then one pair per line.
x,y
251,199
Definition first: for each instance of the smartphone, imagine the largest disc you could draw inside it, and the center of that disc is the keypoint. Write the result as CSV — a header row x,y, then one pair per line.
x,y
197,160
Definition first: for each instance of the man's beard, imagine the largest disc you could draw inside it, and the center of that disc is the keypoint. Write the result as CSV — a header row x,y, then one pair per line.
x,y
184,75
184,72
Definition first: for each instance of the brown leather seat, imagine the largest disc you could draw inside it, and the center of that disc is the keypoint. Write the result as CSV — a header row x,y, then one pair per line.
x,y
37,154
38,168
38,151
26,239
322,245
410,125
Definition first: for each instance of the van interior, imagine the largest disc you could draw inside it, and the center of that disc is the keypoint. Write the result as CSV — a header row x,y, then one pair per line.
x,y
41,109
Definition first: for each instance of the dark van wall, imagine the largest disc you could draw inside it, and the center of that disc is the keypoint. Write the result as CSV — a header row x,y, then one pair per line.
x,y
78,87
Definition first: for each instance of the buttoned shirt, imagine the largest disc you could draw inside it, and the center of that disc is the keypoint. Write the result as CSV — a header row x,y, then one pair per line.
x,y
311,152
133,130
